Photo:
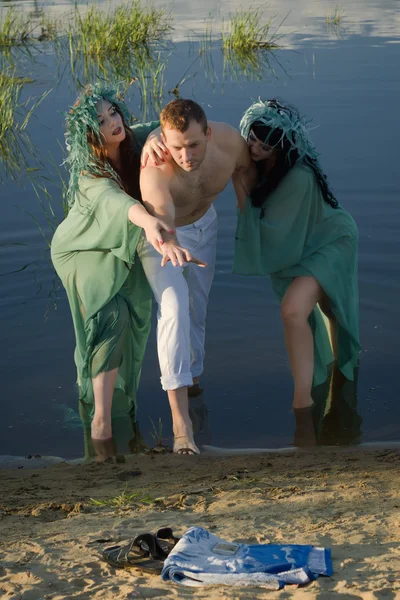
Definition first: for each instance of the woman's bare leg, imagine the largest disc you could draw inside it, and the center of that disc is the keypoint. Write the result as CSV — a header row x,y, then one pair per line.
x,y
297,305
103,388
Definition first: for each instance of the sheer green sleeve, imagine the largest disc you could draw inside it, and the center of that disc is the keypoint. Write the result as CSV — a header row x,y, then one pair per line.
x,y
142,130
271,238
99,221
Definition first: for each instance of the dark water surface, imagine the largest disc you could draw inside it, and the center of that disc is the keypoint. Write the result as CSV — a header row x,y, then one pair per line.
x,y
350,87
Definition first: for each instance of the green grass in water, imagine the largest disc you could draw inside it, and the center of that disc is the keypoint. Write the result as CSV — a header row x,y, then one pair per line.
x,y
247,44
15,144
15,28
100,32
335,16
246,31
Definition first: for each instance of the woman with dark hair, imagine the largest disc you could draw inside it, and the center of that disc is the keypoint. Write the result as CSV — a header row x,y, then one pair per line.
x,y
94,254
292,227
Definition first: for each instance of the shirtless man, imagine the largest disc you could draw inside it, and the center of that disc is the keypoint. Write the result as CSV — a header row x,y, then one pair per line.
x,y
201,159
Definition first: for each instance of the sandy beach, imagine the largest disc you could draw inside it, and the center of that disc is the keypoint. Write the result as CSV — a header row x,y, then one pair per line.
x,y
54,521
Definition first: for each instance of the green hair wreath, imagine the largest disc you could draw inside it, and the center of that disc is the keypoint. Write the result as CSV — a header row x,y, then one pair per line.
x,y
287,119
81,118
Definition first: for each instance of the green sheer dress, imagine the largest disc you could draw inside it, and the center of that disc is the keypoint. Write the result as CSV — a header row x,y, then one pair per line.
x,y
94,253
297,233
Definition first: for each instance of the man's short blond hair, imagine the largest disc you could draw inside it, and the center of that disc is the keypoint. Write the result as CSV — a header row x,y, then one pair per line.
x,y
179,113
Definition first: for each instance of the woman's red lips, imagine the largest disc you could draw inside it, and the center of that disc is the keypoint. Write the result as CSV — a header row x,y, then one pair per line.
x,y
117,131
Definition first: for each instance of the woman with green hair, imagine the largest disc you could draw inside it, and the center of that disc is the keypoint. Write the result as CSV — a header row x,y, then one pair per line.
x,y
94,253
292,228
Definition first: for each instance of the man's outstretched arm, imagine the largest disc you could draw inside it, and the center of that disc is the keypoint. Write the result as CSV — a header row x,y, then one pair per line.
x,y
156,195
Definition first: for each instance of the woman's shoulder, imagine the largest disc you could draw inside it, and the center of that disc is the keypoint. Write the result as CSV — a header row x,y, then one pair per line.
x,y
301,173
141,131
148,125
298,180
88,183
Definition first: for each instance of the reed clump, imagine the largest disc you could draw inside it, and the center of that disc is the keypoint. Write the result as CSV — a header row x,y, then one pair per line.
x,y
98,32
15,28
248,31
335,17
248,42
15,143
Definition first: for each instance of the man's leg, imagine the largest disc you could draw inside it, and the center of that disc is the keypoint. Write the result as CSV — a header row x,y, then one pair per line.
x,y
199,282
173,341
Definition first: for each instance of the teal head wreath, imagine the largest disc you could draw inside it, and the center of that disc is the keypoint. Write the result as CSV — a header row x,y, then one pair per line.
x,y
82,126
284,118
290,133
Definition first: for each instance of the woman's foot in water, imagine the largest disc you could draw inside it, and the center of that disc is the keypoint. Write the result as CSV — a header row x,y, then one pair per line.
x,y
302,401
304,435
101,434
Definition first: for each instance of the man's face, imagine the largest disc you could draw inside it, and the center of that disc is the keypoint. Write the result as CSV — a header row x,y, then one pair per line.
x,y
188,149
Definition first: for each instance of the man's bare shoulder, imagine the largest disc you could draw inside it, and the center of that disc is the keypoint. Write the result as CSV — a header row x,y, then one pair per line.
x,y
227,138
163,172
222,131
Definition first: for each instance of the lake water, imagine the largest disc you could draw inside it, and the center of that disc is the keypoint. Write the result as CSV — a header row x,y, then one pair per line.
x,y
347,80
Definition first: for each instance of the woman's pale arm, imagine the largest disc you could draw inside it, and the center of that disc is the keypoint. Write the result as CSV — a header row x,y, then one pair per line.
x,y
244,177
153,226
154,151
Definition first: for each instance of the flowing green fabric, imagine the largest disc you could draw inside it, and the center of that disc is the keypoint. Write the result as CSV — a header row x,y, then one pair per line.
x,y
94,254
296,233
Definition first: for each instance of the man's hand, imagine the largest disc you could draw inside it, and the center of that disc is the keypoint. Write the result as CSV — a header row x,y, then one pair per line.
x,y
178,255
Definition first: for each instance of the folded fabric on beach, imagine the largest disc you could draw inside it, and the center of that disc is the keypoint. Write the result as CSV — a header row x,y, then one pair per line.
x,y
201,558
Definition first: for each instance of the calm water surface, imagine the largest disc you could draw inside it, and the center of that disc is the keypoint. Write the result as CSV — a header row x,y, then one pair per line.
x,y
347,80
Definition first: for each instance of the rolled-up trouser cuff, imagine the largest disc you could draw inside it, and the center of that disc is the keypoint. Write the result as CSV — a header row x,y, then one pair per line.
x,y
175,382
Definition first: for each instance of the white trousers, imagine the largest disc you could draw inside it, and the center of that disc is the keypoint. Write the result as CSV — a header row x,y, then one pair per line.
x,y
182,297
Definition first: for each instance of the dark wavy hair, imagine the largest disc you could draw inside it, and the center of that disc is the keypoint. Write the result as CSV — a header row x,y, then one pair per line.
x,y
286,159
130,158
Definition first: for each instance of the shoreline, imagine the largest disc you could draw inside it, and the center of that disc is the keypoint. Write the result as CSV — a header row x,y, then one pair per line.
x,y
54,522
10,462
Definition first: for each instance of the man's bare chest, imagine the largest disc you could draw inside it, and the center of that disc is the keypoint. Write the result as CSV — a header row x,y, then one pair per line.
x,y
200,185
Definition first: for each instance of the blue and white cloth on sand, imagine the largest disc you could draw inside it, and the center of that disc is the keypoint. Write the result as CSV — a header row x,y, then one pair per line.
x,y
201,558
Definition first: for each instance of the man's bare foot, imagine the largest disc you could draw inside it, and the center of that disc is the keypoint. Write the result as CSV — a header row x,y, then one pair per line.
x,y
181,423
183,444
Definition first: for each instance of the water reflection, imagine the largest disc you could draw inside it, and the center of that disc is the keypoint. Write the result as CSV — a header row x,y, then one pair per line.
x,y
199,415
16,147
127,438
333,420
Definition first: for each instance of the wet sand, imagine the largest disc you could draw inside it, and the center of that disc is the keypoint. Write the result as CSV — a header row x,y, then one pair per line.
x,y
55,520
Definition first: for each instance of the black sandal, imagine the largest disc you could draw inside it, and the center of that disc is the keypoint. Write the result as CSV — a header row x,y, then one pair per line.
x,y
146,552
